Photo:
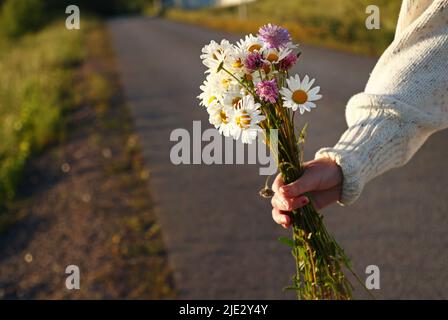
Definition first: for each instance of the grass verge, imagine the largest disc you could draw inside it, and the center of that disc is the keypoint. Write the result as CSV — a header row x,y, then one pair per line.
x,y
36,74
335,24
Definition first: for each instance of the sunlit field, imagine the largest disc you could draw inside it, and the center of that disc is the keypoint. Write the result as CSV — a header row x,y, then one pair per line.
x,y
337,24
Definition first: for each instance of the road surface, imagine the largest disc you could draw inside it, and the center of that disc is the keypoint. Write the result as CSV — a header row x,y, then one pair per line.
x,y
219,234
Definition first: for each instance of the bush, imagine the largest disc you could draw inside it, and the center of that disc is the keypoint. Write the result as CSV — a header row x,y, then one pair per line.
x,y
18,17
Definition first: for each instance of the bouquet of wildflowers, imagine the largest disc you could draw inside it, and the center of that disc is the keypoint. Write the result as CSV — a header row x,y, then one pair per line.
x,y
248,90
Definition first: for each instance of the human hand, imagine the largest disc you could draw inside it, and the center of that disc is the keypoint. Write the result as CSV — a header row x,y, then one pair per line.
x,y
321,180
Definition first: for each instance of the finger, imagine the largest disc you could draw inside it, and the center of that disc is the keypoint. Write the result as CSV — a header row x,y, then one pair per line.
x,y
297,203
289,204
322,199
278,182
307,182
281,217
279,203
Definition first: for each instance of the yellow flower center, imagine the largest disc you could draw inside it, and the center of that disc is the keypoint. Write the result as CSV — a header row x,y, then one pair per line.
x,y
254,47
300,96
237,64
272,57
225,83
235,101
223,116
243,120
212,98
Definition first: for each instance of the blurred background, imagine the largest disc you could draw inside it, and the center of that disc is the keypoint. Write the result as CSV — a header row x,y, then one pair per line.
x,y
85,174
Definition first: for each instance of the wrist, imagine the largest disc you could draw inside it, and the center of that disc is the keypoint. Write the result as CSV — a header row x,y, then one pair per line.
x,y
350,183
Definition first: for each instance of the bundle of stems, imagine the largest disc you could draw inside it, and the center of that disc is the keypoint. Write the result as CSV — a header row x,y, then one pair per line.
x,y
319,259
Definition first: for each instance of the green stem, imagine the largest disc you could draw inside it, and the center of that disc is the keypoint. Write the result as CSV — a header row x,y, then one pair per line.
x,y
239,81
321,276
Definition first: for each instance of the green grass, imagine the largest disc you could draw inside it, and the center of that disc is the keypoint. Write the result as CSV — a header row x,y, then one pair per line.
x,y
36,74
337,24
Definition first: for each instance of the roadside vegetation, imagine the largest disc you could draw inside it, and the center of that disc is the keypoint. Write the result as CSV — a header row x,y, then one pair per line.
x,y
37,58
36,74
336,24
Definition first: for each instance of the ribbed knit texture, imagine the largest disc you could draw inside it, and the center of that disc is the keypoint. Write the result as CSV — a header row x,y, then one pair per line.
x,y
404,102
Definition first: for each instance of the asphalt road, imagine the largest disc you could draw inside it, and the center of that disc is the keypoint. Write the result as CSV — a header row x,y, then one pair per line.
x,y
219,234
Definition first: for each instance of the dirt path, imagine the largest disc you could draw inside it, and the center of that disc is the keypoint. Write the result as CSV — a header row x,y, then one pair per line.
x,y
86,203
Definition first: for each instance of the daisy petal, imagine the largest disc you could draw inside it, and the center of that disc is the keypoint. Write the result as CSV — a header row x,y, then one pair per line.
x,y
314,91
310,105
315,97
306,106
308,85
305,82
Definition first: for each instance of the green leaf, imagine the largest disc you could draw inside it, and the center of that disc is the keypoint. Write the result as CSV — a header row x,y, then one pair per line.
x,y
287,241
302,136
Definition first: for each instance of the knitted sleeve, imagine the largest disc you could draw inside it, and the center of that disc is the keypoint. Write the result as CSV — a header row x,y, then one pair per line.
x,y
404,102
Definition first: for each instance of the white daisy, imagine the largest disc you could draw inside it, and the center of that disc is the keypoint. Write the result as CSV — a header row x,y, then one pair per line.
x,y
221,118
235,63
250,43
299,95
245,119
215,53
257,76
274,56
233,95
213,89
208,95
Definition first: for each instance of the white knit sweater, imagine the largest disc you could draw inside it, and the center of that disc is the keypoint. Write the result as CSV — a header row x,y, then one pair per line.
x,y
404,102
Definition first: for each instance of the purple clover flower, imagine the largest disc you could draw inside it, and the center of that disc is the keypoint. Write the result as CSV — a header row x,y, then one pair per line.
x,y
288,62
267,90
274,36
253,61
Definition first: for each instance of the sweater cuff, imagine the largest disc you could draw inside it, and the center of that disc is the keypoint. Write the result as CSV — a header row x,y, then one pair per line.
x,y
382,133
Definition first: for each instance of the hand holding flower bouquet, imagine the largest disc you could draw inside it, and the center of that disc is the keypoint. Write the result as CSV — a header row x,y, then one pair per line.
x,y
248,90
